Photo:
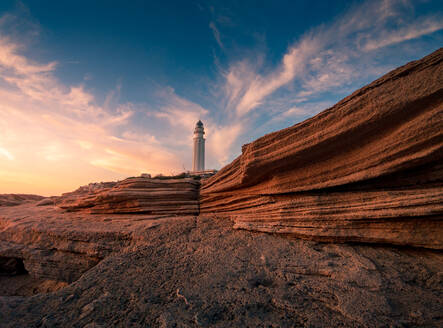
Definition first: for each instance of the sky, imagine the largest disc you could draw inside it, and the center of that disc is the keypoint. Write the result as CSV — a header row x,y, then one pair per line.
x,y
96,91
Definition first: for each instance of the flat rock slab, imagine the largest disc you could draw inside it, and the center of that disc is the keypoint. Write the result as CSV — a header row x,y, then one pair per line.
x,y
58,245
199,272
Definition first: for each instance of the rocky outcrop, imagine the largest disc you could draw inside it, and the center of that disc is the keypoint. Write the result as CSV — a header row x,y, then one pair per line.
x,y
368,169
57,245
60,238
17,199
136,195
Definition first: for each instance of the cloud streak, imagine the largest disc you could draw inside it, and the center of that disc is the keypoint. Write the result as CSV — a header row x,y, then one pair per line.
x,y
216,33
328,56
56,136
410,32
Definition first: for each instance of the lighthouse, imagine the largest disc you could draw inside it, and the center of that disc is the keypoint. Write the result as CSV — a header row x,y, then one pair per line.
x,y
198,163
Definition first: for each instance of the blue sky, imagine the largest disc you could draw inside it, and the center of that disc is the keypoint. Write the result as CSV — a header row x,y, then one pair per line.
x,y
101,90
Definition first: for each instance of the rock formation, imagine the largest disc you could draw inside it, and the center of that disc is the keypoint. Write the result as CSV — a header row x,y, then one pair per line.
x,y
62,242
368,169
17,199
58,245
136,195
199,272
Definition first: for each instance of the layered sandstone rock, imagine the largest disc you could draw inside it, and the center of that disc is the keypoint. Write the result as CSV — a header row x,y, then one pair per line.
x,y
17,199
60,238
369,169
136,195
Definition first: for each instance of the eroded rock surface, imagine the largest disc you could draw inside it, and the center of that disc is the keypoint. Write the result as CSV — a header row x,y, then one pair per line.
x,y
61,246
199,272
60,238
369,169
17,199
136,195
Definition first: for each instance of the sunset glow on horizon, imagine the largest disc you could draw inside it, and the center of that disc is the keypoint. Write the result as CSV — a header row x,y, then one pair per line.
x,y
85,98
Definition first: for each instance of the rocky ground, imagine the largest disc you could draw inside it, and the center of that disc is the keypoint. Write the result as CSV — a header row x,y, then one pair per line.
x,y
199,272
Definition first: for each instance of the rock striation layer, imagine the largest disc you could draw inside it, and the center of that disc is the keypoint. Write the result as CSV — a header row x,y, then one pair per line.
x,y
135,195
60,238
368,169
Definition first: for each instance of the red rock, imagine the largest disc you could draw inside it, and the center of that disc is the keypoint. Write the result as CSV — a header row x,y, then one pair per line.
x,y
368,169
136,195
17,199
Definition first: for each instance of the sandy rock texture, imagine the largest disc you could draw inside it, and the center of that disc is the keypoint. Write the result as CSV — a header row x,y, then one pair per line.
x,y
368,169
17,199
136,195
55,245
199,272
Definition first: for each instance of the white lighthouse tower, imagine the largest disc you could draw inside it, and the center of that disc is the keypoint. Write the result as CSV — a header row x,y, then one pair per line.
x,y
199,148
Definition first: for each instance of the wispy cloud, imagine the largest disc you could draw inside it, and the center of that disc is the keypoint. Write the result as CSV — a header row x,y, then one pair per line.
x,y
415,30
49,124
56,136
221,139
216,33
177,110
182,114
6,153
293,63
329,56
